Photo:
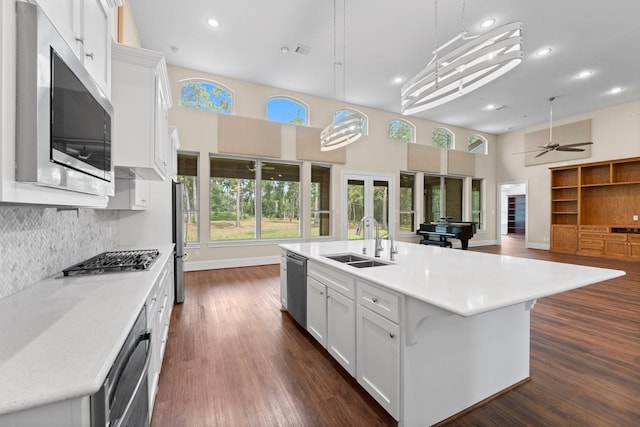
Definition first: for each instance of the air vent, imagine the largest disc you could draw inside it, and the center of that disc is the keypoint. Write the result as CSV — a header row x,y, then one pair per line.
x,y
500,107
302,49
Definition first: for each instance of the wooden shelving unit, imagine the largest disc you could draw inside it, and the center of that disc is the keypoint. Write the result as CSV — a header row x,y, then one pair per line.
x,y
516,214
595,209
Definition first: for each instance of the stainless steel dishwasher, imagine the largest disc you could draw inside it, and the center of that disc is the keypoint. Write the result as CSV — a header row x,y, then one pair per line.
x,y
297,287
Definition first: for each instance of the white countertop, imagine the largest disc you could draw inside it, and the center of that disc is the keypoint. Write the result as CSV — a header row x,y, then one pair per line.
x,y
59,338
462,282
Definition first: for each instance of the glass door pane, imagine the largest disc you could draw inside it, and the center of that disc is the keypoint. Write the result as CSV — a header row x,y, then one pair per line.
x,y
431,198
381,205
355,206
453,195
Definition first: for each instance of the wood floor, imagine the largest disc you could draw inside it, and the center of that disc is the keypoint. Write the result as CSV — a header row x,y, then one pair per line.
x,y
234,359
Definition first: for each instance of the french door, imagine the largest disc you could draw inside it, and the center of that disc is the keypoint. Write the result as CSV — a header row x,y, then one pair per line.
x,y
367,195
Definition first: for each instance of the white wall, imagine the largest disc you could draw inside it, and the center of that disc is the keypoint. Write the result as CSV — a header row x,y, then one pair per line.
x,y
615,133
373,153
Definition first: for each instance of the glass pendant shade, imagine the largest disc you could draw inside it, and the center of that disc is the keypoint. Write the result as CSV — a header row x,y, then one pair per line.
x,y
466,68
347,127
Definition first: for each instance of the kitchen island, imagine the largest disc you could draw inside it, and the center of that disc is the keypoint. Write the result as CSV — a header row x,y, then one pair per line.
x,y
436,331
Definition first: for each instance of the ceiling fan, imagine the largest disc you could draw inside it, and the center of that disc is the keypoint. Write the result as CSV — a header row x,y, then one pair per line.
x,y
554,146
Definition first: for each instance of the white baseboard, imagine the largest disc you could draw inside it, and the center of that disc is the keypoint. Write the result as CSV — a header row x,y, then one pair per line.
x,y
214,264
543,246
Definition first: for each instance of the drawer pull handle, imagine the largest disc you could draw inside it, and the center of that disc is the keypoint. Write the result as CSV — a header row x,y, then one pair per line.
x,y
375,300
392,336
89,55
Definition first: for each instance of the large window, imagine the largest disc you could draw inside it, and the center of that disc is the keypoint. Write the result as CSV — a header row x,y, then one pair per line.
x,y
188,176
401,130
478,144
320,200
287,110
407,202
206,96
253,199
443,138
442,198
476,203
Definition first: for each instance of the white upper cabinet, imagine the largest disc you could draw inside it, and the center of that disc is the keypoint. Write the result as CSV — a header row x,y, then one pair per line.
x,y
141,98
85,26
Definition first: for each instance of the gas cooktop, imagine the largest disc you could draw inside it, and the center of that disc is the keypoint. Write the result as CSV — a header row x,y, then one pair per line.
x,y
117,261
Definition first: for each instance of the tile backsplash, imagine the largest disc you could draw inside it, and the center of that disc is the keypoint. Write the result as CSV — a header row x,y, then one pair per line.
x,y
39,242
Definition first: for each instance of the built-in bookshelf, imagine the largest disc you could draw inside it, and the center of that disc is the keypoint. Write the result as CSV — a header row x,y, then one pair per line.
x,y
595,208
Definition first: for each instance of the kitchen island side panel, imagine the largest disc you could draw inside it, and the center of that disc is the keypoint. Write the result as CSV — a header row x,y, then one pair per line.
x,y
457,362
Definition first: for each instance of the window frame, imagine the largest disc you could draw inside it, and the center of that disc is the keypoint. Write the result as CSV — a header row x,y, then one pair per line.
x,y
293,100
214,83
258,202
413,204
196,243
484,145
321,211
405,122
443,196
481,205
452,136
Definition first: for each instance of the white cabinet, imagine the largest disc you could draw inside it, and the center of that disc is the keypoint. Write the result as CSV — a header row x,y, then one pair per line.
x,y
85,26
378,345
174,144
141,97
341,330
317,310
159,306
331,313
130,194
283,280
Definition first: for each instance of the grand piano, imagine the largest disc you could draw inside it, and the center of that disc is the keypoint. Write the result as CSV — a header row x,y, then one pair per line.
x,y
438,233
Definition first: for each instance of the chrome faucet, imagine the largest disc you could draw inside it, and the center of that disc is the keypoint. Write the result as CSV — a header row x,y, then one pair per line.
x,y
378,245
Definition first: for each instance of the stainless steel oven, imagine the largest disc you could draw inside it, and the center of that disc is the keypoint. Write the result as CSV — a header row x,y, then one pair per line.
x,y
123,399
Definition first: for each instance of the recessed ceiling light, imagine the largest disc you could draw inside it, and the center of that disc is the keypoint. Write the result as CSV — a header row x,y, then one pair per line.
x,y
490,107
584,74
487,23
543,51
397,80
284,49
615,90
213,23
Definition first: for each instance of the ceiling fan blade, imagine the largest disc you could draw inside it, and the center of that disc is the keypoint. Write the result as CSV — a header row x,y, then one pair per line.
x,y
569,149
577,144
530,151
544,152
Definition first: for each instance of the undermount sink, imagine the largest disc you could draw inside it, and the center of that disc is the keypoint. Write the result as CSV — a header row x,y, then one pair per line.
x,y
356,260
346,258
365,264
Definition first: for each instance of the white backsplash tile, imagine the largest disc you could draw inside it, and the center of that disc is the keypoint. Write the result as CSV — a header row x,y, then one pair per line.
x,y
39,242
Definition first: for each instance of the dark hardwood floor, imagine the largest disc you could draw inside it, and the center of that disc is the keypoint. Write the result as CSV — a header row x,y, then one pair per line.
x,y
234,359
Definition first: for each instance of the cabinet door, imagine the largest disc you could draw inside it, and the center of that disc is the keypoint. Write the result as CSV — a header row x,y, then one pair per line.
x,y
97,43
378,363
140,196
317,310
615,249
66,16
161,143
564,238
341,330
283,281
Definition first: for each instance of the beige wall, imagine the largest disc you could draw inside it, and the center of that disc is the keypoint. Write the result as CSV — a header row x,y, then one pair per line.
x,y
374,153
615,133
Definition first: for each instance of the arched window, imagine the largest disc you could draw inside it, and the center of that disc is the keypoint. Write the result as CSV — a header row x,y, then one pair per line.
x,y
287,110
478,144
206,95
402,130
365,124
442,137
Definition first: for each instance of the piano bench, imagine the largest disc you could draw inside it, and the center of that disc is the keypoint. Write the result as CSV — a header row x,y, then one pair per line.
x,y
442,243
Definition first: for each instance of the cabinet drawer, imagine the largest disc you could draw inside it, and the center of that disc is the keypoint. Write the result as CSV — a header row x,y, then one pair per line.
x,y
634,238
591,235
379,301
590,251
597,228
591,243
615,237
336,280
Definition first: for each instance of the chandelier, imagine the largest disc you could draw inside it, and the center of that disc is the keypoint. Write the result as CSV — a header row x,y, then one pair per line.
x,y
347,125
478,61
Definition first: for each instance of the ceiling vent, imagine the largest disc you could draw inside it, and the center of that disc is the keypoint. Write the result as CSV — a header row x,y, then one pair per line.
x,y
302,49
499,107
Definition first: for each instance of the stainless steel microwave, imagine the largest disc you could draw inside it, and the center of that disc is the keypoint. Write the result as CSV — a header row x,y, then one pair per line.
x,y
63,119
